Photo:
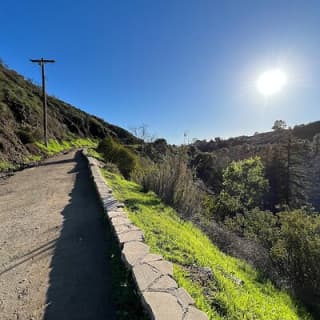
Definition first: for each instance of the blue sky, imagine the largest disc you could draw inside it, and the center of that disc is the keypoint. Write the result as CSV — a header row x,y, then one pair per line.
x,y
176,65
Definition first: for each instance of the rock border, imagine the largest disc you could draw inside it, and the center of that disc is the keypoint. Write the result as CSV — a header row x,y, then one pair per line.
x,y
160,295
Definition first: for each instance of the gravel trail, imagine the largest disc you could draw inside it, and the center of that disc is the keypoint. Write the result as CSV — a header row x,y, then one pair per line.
x,y
53,251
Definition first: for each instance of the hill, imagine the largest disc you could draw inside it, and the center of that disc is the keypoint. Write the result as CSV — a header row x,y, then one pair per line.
x,y
222,286
21,120
290,156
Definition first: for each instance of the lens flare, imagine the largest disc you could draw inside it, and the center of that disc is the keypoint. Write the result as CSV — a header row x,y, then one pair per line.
x,y
271,82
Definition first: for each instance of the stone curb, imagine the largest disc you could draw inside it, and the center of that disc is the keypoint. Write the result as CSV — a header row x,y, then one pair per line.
x,y
159,292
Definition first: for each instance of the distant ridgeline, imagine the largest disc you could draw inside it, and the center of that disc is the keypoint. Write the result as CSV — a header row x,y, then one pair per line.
x,y
291,158
21,119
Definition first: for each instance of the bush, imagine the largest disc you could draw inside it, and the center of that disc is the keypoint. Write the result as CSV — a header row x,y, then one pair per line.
x,y
258,225
244,186
125,160
27,135
173,181
116,153
297,253
293,241
106,147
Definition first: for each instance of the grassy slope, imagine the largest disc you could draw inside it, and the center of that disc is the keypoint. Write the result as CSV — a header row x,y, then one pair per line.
x,y
53,148
185,245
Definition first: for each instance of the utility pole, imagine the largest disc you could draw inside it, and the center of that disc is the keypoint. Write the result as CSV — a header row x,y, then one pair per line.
x,y
42,63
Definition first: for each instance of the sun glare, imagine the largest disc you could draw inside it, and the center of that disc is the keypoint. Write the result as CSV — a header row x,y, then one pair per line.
x,y
271,82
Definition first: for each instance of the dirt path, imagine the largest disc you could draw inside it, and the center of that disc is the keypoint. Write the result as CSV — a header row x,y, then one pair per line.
x,y
53,262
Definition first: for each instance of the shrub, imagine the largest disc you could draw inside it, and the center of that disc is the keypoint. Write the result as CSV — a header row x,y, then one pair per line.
x,y
297,253
125,160
116,153
244,186
26,135
293,241
256,225
173,181
106,147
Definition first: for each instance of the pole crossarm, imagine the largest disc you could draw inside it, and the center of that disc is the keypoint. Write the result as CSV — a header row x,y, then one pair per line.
x,y
42,63
43,60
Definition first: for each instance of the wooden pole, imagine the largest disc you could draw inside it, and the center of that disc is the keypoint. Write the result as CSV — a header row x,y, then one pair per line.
x,y
42,63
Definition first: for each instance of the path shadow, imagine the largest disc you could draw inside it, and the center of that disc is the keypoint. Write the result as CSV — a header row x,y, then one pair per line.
x,y
80,280
43,164
33,254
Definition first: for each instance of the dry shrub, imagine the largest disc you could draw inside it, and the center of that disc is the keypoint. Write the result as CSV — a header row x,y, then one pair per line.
x,y
174,182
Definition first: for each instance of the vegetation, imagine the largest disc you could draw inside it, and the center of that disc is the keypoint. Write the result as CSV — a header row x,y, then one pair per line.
x,y
6,165
55,146
173,181
28,135
279,124
290,157
32,158
243,187
40,150
231,290
293,241
21,119
92,152
118,154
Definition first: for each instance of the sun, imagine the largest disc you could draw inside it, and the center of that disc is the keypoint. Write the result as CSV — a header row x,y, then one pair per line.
x,y
271,82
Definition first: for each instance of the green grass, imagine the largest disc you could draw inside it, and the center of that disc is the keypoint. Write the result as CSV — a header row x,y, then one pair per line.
x,y
185,245
32,158
6,165
55,146
92,152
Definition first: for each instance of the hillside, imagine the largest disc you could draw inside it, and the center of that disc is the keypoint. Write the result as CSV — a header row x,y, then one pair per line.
x,y
290,156
222,286
21,119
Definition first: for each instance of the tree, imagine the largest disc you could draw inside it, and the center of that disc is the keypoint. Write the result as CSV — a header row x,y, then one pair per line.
x,y
279,124
295,153
244,186
142,133
297,252
315,170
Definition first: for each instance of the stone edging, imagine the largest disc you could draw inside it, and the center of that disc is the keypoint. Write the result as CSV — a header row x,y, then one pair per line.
x,y
159,292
